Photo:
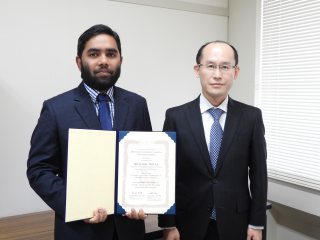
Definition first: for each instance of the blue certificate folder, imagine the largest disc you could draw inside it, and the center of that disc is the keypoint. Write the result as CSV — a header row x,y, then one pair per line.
x,y
145,172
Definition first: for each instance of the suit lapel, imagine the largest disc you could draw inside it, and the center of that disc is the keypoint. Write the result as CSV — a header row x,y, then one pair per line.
x,y
85,108
121,108
196,127
232,122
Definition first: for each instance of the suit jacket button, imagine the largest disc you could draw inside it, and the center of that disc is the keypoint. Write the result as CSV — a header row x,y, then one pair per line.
x,y
214,181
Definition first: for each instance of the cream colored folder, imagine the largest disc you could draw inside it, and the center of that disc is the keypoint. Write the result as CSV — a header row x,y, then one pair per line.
x,y
91,173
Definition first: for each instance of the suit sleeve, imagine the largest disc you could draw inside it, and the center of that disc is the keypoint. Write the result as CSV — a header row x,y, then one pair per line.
x,y
44,162
167,221
258,174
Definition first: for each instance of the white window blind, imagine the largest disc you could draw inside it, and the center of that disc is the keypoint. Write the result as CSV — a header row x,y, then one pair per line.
x,y
288,90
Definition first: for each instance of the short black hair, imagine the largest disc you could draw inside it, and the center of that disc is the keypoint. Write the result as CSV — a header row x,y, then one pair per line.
x,y
235,52
94,31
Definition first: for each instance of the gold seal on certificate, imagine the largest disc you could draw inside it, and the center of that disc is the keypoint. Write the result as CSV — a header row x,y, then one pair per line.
x,y
146,172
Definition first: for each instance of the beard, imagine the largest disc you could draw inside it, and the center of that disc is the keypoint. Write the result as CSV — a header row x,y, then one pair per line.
x,y
100,83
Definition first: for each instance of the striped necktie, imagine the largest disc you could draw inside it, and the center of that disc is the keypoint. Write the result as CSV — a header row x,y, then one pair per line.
x,y
104,111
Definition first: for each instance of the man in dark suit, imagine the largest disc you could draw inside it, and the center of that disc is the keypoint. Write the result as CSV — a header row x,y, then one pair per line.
x,y
216,153
99,59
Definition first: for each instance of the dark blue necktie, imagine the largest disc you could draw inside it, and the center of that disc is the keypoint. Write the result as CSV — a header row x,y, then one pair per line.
x,y
216,134
104,111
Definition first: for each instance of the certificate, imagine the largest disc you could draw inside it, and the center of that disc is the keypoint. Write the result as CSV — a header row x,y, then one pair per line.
x,y
91,173
119,171
146,172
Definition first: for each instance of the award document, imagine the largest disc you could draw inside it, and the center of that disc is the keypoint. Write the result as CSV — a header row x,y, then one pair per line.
x,y
146,172
91,173
119,171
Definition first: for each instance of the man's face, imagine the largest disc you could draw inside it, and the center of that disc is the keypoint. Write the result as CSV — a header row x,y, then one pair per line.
x,y
100,62
216,83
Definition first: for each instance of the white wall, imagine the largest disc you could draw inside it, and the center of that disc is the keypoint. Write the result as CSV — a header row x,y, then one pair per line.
x,y
211,7
242,30
38,48
296,212
216,3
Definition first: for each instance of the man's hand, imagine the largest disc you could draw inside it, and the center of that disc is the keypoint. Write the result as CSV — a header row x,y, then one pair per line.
x,y
254,234
171,234
99,215
136,215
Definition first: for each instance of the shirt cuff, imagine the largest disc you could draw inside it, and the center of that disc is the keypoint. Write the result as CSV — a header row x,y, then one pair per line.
x,y
256,227
167,228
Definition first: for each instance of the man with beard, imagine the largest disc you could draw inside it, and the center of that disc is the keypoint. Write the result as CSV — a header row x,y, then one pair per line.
x,y
99,59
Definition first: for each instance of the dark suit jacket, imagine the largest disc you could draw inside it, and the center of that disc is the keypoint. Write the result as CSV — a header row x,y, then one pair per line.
x,y
47,163
199,188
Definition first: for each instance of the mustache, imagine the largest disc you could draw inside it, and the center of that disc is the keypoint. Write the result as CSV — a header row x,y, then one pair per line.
x,y
104,69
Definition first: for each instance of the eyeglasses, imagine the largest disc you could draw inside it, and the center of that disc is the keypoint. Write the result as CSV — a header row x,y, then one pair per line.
x,y
212,68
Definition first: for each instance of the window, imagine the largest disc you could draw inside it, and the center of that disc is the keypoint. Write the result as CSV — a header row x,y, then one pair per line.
x,y
288,89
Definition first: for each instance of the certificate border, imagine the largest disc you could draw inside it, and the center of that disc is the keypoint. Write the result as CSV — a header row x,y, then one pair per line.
x,y
171,209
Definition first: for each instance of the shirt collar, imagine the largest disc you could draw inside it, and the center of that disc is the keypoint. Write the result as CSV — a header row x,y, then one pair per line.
x,y
93,93
205,105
